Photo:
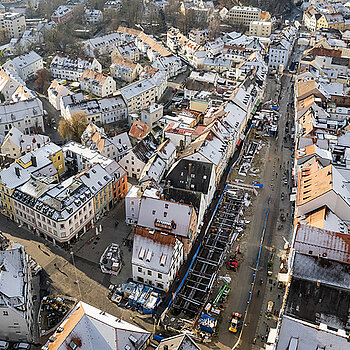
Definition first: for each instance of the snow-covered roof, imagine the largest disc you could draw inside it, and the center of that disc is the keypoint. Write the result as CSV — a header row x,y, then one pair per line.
x,y
97,329
297,334
176,217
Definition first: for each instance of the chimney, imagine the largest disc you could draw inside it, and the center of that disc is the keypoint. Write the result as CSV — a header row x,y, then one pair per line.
x,y
34,163
17,172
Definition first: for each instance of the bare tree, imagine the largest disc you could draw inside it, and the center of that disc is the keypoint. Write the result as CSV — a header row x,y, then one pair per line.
x,y
214,28
72,128
42,80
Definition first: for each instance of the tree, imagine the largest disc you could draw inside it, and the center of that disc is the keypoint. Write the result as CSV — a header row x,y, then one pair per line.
x,y
42,80
131,11
214,28
78,14
4,36
72,128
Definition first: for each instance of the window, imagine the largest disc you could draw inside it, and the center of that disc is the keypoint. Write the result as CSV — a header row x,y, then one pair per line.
x,y
165,214
5,313
149,272
160,276
153,212
139,269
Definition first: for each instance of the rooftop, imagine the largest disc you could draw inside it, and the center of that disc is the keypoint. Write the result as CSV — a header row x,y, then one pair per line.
x,y
96,329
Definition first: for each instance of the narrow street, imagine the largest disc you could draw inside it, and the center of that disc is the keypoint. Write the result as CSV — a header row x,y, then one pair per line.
x,y
280,155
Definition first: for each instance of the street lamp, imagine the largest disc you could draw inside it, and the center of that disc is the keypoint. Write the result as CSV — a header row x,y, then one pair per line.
x,y
76,274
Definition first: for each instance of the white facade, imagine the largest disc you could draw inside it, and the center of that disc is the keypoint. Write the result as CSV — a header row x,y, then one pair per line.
x,y
152,114
71,68
16,306
279,55
76,212
156,258
132,165
103,44
97,84
139,95
25,65
55,92
93,16
26,116
15,23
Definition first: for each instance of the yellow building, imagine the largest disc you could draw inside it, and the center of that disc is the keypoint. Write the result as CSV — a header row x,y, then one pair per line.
x,y
260,28
334,21
47,160
100,184
243,15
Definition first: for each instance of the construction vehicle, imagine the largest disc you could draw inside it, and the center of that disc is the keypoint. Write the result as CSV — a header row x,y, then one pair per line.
x,y
234,322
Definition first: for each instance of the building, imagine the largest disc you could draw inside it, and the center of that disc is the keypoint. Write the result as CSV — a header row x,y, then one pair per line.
x,y
97,83
124,69
173,218
27,116
129,51
16,143
156,258
44,161
62,14
79,158
58,212
17,315
93,16
192,182
200,37
100,111
139,95
139,130
96,329
25,65
55,93
14,23
260,28
243,15
152,114
324,186
71,68
100,183
133,199
12,87
171,65
178,342
281,47
135,160
295,332
112,4
102,45
115,147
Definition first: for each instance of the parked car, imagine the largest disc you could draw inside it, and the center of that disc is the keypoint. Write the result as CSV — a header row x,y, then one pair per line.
x,y
4,345
21,346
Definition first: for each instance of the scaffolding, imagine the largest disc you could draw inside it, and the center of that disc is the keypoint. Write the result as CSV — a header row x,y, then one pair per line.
x,y
199,282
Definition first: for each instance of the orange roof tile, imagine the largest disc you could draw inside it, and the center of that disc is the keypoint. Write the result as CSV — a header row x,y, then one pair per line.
x,y
138,130
313,182
69,325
